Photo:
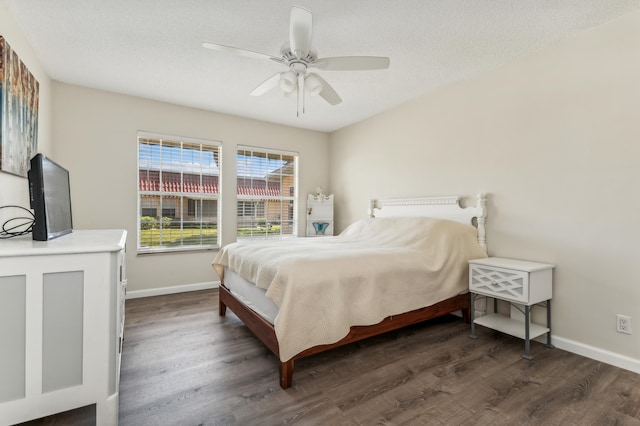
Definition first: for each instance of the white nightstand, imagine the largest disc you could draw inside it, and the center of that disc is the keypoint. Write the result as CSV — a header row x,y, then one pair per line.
x,y
521,283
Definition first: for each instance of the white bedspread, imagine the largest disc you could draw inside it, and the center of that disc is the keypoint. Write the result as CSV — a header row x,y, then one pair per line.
x,y
375,268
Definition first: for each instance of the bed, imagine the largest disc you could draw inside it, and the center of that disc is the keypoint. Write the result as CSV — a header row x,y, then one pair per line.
x,y
406,263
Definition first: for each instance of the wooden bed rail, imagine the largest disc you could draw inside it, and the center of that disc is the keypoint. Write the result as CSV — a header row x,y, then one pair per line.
x,y
266,332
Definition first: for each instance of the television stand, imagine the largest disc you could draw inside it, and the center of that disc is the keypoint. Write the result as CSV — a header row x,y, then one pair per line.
x,y
61,323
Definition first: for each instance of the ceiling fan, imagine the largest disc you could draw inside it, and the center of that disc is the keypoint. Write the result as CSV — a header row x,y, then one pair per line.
x,y
298,56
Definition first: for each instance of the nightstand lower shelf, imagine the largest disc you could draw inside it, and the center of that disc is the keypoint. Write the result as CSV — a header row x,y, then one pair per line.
x,y
522,329
510,326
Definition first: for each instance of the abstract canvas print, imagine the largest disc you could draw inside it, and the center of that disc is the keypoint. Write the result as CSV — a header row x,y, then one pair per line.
x,y
18,112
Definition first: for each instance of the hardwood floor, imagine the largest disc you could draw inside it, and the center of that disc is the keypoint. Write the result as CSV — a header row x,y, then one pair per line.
x,y
182,364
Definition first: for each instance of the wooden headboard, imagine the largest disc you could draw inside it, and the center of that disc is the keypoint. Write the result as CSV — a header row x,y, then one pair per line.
x,y
439,207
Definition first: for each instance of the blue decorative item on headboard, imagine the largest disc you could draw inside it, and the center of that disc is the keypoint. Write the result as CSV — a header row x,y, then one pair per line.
x,y
320,227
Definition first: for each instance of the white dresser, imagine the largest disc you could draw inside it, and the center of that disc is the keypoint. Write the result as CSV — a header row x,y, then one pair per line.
x,y
523,284
61,324
319,215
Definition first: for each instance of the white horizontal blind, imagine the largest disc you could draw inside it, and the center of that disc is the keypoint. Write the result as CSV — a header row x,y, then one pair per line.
x,y
266,193
178,193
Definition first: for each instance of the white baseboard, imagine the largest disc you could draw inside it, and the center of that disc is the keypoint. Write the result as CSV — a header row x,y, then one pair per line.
x,y
615,359
134,294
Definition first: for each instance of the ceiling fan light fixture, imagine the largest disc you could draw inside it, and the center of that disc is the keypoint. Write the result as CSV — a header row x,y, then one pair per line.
x,y
298,56
313,85
288,82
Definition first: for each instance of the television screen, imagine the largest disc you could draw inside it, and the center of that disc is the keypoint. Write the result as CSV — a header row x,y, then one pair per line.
x,y
50,198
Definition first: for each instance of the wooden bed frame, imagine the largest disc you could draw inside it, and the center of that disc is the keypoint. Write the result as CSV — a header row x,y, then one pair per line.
x,y
440,207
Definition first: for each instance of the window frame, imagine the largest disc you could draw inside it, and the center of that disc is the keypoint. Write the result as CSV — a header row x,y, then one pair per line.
x,y
182,196
290,198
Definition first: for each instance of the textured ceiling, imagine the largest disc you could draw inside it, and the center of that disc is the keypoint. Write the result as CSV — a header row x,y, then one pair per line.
x,y
153,48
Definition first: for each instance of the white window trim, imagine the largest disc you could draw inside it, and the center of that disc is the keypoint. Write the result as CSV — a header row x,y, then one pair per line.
x,y
146,250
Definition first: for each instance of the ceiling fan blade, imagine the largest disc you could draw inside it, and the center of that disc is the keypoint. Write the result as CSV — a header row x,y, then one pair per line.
x,y
267,85
300,30
352,63
327,93
240,52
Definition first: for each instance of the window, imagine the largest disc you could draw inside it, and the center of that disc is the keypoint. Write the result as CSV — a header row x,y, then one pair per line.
x,y
267,202
250,209
178,191
202,207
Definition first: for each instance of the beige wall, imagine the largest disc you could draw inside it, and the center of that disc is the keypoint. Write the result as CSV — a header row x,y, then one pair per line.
x,y
555,141
14,190
95,138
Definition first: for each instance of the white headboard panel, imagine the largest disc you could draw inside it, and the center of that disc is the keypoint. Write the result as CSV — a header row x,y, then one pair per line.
x,y
439,207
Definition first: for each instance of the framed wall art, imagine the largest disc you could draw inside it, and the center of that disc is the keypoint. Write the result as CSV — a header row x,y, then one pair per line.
x,y
18,112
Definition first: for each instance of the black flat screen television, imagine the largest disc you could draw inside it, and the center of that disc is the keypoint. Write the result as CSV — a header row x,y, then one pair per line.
x,y
50,197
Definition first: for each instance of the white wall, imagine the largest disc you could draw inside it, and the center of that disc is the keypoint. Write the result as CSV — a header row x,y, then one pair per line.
x,y
95,138
555,141
14,190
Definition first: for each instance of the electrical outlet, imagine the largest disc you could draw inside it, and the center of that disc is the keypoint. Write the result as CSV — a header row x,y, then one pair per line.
x,y
623,324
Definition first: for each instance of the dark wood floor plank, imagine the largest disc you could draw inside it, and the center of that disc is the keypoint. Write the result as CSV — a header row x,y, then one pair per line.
x,y
183,364
426,374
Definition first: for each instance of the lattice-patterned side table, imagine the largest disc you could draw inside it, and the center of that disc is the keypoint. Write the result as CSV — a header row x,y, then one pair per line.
x,y
521,283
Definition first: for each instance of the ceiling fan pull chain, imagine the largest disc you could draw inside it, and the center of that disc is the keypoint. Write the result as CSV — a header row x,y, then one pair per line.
x,y
301,84
300,94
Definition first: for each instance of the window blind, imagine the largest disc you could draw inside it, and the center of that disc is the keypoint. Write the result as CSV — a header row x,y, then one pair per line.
x,y
178,193
266,193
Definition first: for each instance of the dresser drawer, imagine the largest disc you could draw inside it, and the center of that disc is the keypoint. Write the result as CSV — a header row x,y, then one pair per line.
x,y
507,284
